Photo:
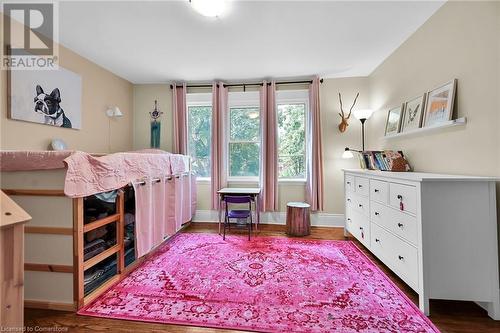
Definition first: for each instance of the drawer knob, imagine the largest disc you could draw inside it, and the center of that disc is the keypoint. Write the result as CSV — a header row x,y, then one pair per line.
x,y
360,228
400,257
400,225
377,240
360,205
376,191
360,186
348,199
348,183
348,219
377,213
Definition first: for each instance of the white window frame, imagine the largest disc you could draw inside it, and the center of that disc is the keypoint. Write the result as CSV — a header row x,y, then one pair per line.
x,y
241,100
300,96
198,99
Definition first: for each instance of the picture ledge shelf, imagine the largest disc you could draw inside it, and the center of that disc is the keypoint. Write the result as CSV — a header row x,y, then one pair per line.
x,y
429,129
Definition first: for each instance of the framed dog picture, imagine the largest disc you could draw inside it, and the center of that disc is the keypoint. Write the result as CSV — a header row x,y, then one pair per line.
x,y
413,111
49,97
393,123
439,106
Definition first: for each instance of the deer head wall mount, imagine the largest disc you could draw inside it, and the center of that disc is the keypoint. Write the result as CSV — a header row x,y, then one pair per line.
x,y
343,124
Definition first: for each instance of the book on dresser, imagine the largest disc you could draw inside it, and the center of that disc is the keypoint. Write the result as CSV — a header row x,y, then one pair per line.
x,y
437,232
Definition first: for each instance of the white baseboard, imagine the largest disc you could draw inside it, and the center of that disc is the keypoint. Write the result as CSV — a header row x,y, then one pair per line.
x,y
317,219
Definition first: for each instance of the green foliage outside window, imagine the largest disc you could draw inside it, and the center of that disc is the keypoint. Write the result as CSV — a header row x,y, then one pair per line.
x,y
291,141
199,137
244,142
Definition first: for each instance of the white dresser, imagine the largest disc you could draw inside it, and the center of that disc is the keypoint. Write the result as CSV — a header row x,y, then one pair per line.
x,y
438,233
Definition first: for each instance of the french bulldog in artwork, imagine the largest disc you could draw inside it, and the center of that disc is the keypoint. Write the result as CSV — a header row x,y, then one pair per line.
x,y
49,107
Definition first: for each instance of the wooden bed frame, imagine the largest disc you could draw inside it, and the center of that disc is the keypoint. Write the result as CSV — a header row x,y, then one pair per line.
x,y
77,230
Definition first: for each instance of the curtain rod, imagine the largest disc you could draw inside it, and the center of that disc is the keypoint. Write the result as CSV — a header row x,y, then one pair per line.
x,y
248,84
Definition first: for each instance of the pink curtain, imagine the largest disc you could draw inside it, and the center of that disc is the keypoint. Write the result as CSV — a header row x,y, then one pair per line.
x,y
269,162
314,187
186,198
179,219
193,195
179,110
144,225
219,109
169,210
159,201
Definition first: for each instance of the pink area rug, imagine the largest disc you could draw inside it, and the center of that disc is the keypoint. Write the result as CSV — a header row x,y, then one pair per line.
x,y
266,285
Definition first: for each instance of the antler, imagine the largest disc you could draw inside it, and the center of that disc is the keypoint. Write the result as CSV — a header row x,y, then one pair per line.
x,y
344,123
341,113
353,103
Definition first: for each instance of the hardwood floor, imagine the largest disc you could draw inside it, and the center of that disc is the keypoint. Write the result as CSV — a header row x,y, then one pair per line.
x,y
448,316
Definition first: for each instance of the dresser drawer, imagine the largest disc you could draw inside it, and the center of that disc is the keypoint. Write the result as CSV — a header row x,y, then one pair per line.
x,y
349,200
361,204
359,226
401,224
349,183
398,255
362,186
405,195
379,191
349,222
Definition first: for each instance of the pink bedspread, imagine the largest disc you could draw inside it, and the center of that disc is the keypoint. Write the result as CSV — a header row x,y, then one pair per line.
x,y
89,175
26,160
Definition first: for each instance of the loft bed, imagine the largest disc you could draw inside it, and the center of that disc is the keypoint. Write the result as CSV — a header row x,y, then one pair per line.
x,y
81,241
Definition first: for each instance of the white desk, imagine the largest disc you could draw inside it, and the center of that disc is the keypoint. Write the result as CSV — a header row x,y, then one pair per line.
x,y
253,192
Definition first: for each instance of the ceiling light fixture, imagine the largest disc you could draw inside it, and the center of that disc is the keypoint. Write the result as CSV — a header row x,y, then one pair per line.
x,y
209,8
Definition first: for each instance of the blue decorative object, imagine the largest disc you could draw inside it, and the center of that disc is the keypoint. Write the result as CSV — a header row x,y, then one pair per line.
x,y
155,126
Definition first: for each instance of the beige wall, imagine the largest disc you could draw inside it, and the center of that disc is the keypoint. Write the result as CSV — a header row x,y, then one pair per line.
x,y
144,98
457,42
460,41
100,89
334,142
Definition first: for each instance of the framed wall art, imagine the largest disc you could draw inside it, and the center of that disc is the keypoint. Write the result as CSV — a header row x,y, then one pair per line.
x,y
393,123
49,97
412,115
439,105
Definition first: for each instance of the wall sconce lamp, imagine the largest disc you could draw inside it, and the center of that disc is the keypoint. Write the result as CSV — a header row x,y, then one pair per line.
x,y
348,153
112,112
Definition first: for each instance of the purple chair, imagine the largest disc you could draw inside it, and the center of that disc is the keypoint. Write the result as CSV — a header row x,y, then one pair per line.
x,y
238,213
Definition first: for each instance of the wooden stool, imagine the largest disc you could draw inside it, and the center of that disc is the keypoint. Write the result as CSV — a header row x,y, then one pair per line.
x,y
298,220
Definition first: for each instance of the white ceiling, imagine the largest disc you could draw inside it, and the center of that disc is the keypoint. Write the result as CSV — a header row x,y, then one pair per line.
x,y
162,41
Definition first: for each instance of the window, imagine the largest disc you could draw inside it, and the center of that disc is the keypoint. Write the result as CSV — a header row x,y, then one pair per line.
x,y
199,124
292,120
244,136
